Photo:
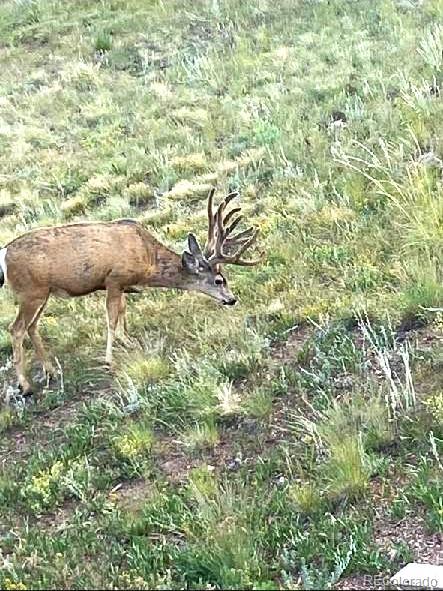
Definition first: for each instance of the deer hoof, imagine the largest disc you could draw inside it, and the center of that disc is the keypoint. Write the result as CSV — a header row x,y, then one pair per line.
x,y
26,390
49,374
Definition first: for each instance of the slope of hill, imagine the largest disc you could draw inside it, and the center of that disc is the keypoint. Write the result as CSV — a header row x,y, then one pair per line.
x,y
296,440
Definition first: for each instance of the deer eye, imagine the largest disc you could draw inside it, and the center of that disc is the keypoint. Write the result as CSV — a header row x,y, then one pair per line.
x,y
218,281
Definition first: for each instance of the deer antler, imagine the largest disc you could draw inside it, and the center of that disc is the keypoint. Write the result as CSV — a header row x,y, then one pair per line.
x,y
220,234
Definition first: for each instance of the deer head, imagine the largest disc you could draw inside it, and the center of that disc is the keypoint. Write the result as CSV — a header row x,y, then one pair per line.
x,y
204,268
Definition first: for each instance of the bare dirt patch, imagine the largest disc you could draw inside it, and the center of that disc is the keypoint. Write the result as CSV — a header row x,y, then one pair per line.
x,y
131,496
411,530
287,351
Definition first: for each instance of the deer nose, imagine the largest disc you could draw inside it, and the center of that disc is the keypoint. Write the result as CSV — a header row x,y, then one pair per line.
x,y
230,302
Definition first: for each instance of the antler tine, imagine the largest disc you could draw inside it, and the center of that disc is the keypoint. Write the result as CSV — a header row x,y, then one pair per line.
x,y
221,222
232,227
220,233
230,214
211,221
210,206
240,236
230,196
247,244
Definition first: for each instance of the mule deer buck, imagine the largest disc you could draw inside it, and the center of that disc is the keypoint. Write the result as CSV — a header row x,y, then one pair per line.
x,y
119,257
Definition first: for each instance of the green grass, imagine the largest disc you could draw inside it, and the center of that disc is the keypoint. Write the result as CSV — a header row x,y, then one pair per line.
x,y
255,447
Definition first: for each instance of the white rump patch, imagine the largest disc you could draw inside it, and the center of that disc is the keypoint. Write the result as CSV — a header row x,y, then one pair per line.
x,y
3,262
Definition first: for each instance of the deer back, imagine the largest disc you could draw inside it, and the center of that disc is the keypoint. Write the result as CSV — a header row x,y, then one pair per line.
x,y
76,259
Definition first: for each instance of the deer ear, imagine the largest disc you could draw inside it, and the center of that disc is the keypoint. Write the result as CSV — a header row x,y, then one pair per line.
x,y
190,263
194,246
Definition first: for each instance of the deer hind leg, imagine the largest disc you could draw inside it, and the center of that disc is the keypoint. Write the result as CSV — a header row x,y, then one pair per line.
x,y
28,311
113,302
40,353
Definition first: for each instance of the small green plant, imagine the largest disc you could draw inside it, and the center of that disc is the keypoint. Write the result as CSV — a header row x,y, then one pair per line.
x,y
316,579
266,133
434,405
10,585
103,41
6,419
307,497
44,487
347,470
28,12
399,507
426,488
401,395
332,357
202,435
258,404
425,287
402,552
146,370
134,442
202,481
223,543
325,572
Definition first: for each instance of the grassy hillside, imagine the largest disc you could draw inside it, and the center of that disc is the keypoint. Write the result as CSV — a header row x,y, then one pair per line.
x,y
292,442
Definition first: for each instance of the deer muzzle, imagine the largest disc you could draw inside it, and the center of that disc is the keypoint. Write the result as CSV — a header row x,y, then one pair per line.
x,y
229,302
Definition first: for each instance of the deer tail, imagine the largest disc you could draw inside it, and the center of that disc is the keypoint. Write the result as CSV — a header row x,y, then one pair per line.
x,y
2,266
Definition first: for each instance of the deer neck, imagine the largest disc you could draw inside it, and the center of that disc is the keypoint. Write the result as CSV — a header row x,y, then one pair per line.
x,y
168,269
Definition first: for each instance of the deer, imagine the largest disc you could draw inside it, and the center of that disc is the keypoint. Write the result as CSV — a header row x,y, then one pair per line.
x,y
118,257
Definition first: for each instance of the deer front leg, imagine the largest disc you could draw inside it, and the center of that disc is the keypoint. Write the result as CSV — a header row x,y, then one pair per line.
x,y
122,315
113,302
